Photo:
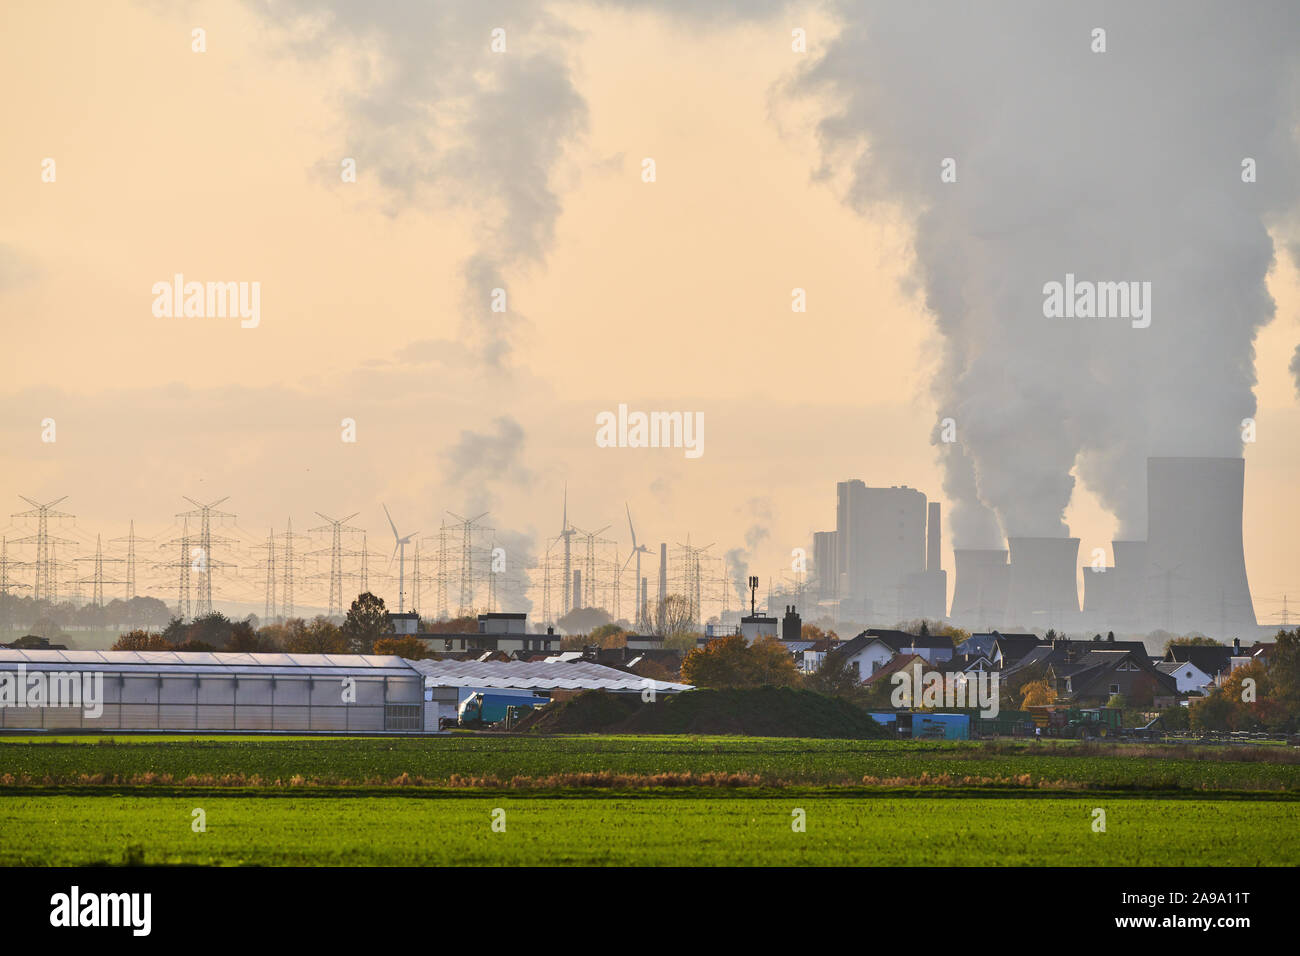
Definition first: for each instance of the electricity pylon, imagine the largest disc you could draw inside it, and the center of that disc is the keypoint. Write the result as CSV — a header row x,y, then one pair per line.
x,y
337,527
97,580
202,561
44,587
130,540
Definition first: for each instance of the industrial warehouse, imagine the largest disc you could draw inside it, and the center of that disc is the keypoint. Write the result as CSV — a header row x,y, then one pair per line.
x,y
298,693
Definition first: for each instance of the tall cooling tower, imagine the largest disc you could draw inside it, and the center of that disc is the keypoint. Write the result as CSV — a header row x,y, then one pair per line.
x,y
1044,590
979,595
1196,563
1100,603
1130,586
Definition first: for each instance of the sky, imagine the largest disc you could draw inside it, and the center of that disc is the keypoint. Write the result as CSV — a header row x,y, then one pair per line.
x,y
521,170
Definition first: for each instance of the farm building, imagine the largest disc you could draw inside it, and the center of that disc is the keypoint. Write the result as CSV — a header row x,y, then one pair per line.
x,y
448,682
168,690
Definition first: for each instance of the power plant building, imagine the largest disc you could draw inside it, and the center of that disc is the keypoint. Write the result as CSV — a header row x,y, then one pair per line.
x,y
1188,576
881,563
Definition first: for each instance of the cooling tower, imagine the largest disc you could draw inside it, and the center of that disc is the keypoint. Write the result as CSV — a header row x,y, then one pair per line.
x,y
1196,563
1044,590
1100,603
1130,586
979,595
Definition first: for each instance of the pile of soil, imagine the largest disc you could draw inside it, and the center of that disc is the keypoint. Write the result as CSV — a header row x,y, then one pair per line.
x,y
756,712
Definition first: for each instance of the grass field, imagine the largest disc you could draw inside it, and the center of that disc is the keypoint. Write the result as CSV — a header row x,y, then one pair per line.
x,y
514,761
881,831
658,800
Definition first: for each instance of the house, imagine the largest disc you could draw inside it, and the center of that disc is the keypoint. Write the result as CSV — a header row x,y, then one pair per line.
x,y
1190,678
978,644
503,632
934,648
969,663
1101,673
1009,649
1208,659
865,655
900,662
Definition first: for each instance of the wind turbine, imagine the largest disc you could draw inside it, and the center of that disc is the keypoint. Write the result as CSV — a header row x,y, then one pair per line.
x,y
401,567
637,550
567,534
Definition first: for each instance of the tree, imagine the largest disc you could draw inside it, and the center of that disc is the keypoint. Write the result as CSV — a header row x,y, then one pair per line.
x,y
673,616
318,637
366,621
1191,640
608,636
139,640
1037,693
244,639
731,662
407,646
836,677
811,632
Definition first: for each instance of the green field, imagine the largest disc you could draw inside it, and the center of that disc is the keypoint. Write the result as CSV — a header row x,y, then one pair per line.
x,y
882,831
500,761
658,800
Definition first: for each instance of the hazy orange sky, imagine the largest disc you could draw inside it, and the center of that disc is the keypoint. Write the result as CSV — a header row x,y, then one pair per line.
x,y
673,295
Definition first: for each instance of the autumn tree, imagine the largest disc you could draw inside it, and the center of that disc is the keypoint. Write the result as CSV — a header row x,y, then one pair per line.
x,y
1037,693
321,636
811,632
407,646
140,640
731,662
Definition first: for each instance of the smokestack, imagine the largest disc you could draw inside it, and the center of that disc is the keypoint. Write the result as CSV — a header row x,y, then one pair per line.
x,y
645,613
577,590
932,527
1196,562
979,597
663,572
1044,588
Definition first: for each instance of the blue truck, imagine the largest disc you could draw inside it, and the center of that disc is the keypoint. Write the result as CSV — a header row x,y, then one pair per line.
x,y
481,709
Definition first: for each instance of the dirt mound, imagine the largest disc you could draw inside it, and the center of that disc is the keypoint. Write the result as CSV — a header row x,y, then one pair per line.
x,y
758,712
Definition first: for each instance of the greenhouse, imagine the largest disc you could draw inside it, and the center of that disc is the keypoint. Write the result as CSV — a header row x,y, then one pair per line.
x,y
188,691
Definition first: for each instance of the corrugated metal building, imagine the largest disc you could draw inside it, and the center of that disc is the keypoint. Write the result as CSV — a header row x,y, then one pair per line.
x,y
448,682
167,690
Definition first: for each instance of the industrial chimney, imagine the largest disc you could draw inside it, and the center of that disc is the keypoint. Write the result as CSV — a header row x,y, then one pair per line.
x,y
979,597
663,572
1196,562
1044,590
932,527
